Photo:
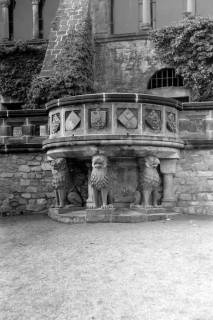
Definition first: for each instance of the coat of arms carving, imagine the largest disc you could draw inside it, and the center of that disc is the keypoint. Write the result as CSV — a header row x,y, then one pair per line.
x,y
98,119
153,119
56,123
171,122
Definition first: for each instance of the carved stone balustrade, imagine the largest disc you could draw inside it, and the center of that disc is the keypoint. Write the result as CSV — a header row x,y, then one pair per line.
x,y
117,123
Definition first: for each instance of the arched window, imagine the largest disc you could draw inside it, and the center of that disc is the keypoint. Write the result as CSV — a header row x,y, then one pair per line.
x,y
165,78
167,83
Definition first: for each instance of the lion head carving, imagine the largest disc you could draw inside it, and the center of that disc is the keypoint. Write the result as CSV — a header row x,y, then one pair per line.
x,y
99,176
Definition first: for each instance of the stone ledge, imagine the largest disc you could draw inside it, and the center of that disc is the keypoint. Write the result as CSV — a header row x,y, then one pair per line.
x,y
108,216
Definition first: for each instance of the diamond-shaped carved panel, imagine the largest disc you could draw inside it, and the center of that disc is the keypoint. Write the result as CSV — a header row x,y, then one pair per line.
x,y
128,119
72,121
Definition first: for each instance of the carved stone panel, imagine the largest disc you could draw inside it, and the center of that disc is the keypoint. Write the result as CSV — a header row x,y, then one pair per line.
x,y
72,121
171,122
128,118
56,123
153,120
17,132
98,119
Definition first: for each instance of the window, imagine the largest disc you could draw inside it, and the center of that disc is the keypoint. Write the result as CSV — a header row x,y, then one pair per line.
x,y
169,11
165,78
21,26
22,20
125,16
204,8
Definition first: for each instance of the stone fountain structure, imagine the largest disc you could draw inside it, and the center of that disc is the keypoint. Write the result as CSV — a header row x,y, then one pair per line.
x,y
113,157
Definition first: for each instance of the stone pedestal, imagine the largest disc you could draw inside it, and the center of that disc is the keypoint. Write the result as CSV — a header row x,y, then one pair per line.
x,y
168,169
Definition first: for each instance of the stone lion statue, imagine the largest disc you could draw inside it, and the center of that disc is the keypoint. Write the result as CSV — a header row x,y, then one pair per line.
x,y
149,183
100,182
60,180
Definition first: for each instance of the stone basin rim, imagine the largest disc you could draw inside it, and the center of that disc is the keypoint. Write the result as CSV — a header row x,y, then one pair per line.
x,y
61,142
114,97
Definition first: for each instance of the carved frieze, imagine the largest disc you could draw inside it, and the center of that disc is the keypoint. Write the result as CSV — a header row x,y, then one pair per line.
x,y
153,119
56,123
171,122
72,121
98,119
128,119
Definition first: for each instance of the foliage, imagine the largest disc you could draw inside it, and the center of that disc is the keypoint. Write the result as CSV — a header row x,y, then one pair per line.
x,y
188,47
18,64
73,69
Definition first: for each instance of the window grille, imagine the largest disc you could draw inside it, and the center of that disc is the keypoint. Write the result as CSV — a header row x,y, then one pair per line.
x,y
165,78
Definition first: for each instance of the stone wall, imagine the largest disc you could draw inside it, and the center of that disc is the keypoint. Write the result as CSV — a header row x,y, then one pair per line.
x,y
194,182
124,66
25,183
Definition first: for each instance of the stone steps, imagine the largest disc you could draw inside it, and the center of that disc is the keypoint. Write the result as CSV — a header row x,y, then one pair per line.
x,y
110,215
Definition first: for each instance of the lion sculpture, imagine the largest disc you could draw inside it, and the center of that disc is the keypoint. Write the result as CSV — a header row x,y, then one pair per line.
x,y
60,181
100,182
149,183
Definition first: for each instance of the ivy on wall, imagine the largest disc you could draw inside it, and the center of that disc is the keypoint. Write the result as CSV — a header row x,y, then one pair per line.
x,y
188,47
18,65
73,69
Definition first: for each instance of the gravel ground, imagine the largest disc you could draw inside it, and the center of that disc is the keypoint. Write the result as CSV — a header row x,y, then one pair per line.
x,y
147,271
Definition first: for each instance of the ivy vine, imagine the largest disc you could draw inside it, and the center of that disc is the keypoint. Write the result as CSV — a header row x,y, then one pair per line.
x,y
73,69
188,47
19,63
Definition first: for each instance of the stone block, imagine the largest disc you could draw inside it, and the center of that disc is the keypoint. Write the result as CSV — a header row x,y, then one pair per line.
x,y
185,196
6,175
24,168
31,189
99,215
24,182
26,195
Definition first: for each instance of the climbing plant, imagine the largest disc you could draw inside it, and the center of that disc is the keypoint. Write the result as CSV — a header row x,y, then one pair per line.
x,y
19,63
73,69
188,47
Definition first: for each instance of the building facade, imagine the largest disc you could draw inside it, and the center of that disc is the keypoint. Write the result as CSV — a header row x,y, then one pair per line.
x,y
124,62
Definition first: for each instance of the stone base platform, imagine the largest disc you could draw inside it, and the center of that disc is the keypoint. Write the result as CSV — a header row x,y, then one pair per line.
x,y
66,215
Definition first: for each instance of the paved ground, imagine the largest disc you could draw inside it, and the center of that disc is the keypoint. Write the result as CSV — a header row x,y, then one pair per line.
x,y
148,271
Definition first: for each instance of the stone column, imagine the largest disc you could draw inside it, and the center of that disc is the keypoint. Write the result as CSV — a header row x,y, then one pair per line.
x,y
5,17
35,8
146,13
190,7
168,169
